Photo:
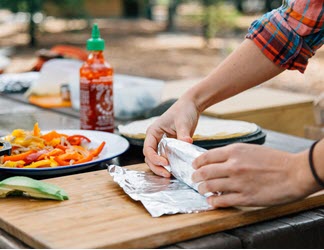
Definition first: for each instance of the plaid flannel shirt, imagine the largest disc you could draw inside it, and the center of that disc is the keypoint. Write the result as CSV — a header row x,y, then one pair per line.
x,y
291,34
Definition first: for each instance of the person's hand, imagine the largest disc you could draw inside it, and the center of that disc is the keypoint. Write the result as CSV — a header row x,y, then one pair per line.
x,y
253,175
180,122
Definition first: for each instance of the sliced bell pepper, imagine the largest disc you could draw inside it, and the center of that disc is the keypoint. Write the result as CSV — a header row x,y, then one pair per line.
x,y
49,162
85,159
18,157
14,164
54,152
61,147
42,163
76,139
34,156
54,142
49,150
36,131
52,135
97,151
18,133
61,162
70,156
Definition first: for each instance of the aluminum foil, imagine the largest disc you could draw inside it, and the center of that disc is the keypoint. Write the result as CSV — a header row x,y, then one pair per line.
x,y
180,156
159,195
162,195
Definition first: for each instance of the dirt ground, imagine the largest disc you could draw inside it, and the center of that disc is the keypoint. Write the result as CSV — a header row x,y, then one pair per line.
x,y
143,48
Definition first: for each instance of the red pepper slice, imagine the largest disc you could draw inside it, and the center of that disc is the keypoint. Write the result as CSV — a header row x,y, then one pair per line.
x,y
76,139
34,156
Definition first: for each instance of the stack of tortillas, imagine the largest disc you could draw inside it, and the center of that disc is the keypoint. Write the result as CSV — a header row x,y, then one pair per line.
x,y
207,129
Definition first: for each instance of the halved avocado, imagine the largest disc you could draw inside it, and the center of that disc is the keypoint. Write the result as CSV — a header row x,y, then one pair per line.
x,y
33,188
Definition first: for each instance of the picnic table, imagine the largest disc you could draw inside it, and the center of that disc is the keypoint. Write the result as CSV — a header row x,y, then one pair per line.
x,y
298,225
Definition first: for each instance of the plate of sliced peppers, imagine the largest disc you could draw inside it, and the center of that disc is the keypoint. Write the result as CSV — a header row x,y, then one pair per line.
x,y
57,152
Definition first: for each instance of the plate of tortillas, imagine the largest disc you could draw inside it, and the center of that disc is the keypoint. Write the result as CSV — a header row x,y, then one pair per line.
x,y
210,132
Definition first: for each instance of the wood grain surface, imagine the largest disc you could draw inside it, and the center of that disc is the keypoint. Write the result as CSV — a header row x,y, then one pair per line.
x,y
254,99
260,105
100,215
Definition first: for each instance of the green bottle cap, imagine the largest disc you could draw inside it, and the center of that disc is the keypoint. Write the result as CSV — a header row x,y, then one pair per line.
x,y
95,42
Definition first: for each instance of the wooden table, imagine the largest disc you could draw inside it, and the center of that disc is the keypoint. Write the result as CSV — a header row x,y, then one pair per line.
x,y
301,230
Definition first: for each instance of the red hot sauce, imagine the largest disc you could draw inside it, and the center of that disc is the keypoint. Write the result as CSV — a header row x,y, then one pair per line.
x,y
96,88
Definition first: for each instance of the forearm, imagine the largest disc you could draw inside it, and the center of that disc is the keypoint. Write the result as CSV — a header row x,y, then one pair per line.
x,y
246,67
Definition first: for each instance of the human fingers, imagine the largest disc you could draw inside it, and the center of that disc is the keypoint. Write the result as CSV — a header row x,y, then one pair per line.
x,y
185,125
157,169
216,185
152,159
208,172
183,133
152,139
225,200
210,157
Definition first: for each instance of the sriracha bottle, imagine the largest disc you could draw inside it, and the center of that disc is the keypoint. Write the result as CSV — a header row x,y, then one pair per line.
x,y
96,87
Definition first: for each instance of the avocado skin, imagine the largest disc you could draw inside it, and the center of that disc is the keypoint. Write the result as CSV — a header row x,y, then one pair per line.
x,y
21,185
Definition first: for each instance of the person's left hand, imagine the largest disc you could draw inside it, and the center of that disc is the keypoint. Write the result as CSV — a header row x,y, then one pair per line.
x,y
252,175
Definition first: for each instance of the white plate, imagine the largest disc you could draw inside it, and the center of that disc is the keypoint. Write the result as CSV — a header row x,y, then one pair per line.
x,y
115,145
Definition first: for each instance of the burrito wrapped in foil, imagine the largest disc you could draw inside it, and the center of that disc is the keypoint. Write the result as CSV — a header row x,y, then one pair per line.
x,y
180,156
161,195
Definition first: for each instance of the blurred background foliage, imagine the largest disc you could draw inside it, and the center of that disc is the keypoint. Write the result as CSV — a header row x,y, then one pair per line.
x,y
214,16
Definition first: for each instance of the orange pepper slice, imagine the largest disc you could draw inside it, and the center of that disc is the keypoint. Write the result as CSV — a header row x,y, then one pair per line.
x,y
85,159
36,131
98,150
18,157
52,135
70,156
61,162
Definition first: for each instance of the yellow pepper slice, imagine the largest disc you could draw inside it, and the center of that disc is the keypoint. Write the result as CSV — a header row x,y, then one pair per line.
x,y
37,164
13,164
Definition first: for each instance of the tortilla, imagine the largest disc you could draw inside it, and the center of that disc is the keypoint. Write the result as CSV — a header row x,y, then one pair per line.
x,y
208,128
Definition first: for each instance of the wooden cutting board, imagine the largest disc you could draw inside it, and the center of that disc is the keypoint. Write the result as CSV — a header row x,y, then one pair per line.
x,y
100,215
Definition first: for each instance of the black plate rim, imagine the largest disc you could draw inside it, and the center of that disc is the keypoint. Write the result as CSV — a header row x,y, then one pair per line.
x,y
257,137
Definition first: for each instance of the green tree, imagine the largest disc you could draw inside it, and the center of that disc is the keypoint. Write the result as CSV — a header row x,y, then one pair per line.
x,y
30,6
216,17
68,8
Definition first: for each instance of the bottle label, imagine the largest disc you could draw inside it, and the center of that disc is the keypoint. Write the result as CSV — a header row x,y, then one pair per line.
x,y
96,104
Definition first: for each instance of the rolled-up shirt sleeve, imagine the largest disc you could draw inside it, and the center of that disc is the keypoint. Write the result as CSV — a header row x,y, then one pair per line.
x,y
291,34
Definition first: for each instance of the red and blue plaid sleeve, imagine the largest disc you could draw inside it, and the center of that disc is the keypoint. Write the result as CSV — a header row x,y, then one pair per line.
x,y
291,34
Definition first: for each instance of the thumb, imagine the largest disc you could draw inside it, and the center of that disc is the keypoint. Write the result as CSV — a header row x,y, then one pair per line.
x,y
183,134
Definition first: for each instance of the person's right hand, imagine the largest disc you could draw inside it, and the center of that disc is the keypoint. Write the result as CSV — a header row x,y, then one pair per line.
x,y
180,122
